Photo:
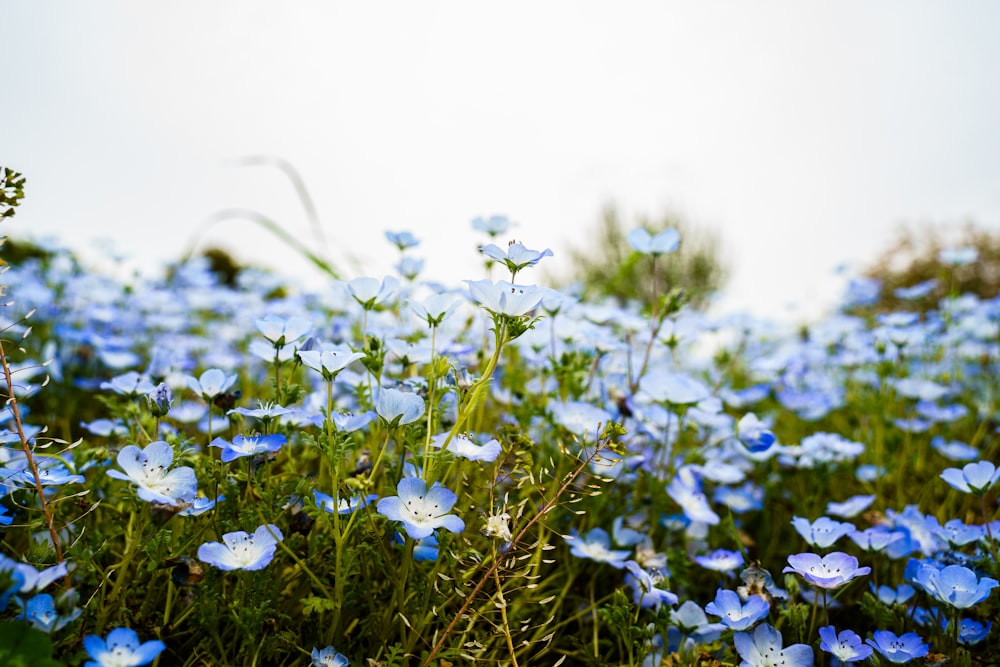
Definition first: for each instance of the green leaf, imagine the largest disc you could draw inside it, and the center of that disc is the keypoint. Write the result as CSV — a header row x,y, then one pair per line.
x,y
21,645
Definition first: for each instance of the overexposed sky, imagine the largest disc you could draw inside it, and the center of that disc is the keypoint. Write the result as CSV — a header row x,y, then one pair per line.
x,y
803,132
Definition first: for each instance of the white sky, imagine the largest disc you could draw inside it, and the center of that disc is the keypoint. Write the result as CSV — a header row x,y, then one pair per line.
x,y
803,132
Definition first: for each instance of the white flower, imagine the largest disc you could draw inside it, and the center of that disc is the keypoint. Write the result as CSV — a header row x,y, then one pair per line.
x,y
497,526
149,469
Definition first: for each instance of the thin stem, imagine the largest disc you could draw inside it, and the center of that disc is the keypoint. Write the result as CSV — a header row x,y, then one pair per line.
x,y
498,561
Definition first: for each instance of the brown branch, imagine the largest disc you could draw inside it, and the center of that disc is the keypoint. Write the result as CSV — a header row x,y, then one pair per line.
x,y
26,446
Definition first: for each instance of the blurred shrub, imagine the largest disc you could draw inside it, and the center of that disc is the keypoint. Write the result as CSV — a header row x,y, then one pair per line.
x,y
608,267
947,260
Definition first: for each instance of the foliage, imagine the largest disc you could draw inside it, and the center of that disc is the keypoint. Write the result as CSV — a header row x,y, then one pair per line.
x,y
608,267
590,475
915,257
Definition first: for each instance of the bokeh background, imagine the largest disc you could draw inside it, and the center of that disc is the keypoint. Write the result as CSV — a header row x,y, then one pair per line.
x,y
803,133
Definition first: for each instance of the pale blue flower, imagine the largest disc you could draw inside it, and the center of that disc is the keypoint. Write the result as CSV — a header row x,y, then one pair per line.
x,y
959,256
463,446
736,614
345,505
970,631
661,243
899,649
329,360
434,309
846,646
888,595
402,240
211,383
421,510
664,386
131,384
495,225
976,478
754,434
720,560
645,587
281,331
687,493
504,298
242,551
690,619
149,469
243,445
516,257
596,546
954,585
851,507
764,649
371,292
954,449
121,648
822,532
830,571
40,611
200,505
399,407
328,657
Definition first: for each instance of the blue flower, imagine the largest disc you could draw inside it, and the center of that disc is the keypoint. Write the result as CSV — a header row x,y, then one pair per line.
x,y
822,532
423,549
954,449
328,657
149,469
830,571
690,619
421,510
890,596
516,257
898,649
764,649
596,546
970,632
721,560
955,532
685,490
121,648
345,506
846,646
281,331
160,400
248,445
504,298
210,384
495,225
661,243
40,611
399,407
240,551
850,507
954,585
329,360
975,478
645,587
402,240
371,292
199,505
734,613
435,309
754,433
131,384
463,446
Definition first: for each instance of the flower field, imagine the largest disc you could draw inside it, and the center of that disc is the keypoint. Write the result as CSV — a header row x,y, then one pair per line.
x,y
390,471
